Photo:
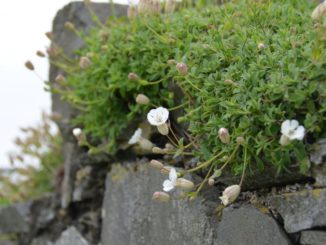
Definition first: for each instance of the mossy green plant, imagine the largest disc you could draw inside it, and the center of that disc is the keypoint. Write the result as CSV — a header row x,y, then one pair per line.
x,y
250,66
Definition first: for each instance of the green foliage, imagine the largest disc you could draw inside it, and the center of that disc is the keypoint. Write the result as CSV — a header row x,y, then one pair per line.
x,y
39,146
230,83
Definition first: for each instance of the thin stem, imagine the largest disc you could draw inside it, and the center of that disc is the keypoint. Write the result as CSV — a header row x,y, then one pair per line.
x,y
205,180
172,142
205,164
179,106
175,137
244,166
193,85
230,158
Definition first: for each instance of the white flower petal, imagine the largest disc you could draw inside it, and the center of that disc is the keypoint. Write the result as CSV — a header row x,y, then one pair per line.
x,y
285,127
298,134
158,116
294,124
168,185
135,138
173,175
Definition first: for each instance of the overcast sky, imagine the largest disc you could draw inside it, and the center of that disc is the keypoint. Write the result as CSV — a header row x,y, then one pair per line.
x,y
22,98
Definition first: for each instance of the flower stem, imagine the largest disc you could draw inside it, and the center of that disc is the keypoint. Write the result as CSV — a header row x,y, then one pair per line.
x,y
244,166
205,164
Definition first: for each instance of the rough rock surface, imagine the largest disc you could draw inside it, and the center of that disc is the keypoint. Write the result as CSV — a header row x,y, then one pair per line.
x,y
247,225
302,210
71,236
313,238
131,217
14,219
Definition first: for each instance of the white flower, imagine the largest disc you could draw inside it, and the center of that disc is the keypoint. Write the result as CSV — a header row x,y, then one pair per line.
x,y
135,138
170,183
158,116
291,130
77,132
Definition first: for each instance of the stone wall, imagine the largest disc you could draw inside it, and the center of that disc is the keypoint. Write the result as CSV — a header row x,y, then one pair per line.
x,y
107,200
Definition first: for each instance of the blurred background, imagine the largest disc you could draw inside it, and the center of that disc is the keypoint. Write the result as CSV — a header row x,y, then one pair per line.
x,y
22,95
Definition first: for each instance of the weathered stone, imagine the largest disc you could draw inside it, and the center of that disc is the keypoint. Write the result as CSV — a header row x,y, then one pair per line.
x,y
131,217
7,242
71,236
14,219
41,241
318,158
247,225
301,210
313,238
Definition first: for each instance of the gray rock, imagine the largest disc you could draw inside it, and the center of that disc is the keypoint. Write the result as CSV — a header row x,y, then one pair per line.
x,y
301,210
71,236
313,238
247,225
130,217
7,242
41,241
318,157
14,219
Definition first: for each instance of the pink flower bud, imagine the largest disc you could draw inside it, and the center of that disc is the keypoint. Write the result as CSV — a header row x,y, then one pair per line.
x,y
49,35
224,135
261,46
165,170
161,196
84,62
132,76
182,68
230,194
211,181
60,78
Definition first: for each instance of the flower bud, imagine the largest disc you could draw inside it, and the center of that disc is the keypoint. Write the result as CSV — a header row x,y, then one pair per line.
x,y
157,150
163,129
40,54
60,78
90,55
132,12
69,26
104,35
132,76
165,170
84,62
169,147
49,35
261,46
156,164
142,99
182,68
184,184
77,132
171,62
284,140
211,181
240,140
230,82
29,65
52,52
230,194
145,144
319,11
161,196
224,135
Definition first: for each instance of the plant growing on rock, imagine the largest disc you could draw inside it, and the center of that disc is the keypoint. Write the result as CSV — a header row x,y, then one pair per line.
x,y
229,76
